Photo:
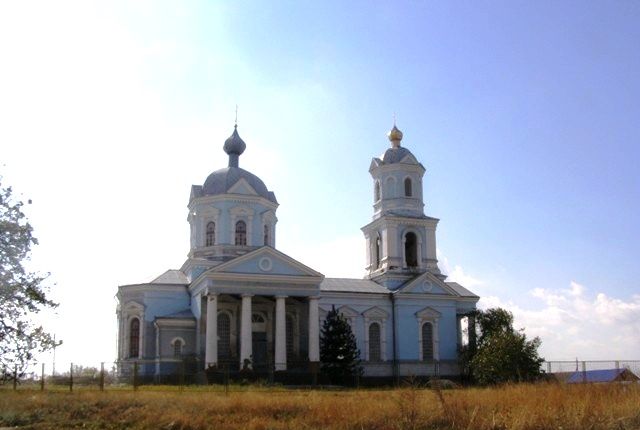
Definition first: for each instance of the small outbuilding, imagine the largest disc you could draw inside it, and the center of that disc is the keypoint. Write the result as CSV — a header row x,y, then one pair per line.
x,y
593,376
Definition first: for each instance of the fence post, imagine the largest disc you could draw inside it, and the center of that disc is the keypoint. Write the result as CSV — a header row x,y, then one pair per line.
x,y
15,377
617,365
71,377
548,367
102,376
135,376
182,371
42,378
584,371
226,379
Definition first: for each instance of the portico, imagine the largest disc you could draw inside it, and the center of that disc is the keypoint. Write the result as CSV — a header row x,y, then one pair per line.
x,y
260,323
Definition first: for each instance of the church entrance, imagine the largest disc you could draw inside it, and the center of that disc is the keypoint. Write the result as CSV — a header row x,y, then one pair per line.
x,y
259,342
259,349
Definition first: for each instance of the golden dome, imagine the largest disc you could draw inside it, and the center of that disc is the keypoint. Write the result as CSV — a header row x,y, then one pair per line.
x,y
395,136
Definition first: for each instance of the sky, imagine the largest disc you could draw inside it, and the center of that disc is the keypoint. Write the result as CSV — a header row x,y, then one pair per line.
x,y
525,115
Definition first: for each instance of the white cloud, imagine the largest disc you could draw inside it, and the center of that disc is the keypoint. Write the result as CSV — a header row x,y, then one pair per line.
x,y
572,323
456,274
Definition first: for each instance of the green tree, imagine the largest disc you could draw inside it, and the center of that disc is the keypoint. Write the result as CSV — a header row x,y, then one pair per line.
x,y
22,293
339,353
501,354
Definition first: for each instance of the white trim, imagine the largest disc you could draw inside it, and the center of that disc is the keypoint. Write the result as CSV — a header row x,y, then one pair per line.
x,y
380,316
432,316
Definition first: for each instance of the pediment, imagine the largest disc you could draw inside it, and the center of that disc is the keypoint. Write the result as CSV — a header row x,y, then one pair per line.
x,y
348,312
428,313
427,283
375,163
409,159
242,187
266,261
376,313
132,307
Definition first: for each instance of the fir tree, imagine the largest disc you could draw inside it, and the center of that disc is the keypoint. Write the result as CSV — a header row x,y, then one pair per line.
x,y
339,353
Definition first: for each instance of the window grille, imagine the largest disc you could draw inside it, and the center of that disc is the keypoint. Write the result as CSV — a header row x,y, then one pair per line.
x,y
211,234
374,342
427,341
241,233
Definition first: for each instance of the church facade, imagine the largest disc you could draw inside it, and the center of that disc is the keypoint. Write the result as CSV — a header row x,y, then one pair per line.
x,y
239,302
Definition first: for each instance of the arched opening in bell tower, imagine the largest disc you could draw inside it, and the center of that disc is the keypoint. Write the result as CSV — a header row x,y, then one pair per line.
x,y
411,250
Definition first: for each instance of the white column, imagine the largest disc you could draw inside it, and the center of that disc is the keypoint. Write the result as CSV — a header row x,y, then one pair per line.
x,y
281,336
245,330
211,342
314,330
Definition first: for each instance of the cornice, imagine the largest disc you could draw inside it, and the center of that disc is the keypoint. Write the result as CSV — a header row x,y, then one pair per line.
x,y
234,198
395,221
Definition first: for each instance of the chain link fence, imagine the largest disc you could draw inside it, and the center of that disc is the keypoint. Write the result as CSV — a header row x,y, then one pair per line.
x,y
133,374
592,370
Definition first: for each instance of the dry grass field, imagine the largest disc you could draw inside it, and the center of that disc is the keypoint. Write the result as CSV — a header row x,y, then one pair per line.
x,y
511,407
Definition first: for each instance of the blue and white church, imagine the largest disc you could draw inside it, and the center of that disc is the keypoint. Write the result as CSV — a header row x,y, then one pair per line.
x,y
237,301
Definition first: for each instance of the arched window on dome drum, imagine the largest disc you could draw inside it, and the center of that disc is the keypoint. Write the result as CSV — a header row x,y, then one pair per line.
x,y
211,234
266,234
241,233
177,348
407,187
289,332
134,338
376,191
427,341
377,251
411,249
224,335
374,342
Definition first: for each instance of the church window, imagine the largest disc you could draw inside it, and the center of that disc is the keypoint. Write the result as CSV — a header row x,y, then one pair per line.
x,y
211,234
411,250
427,341
241,233
374,342
377,251
224,335
134,338
407,187
289,333
266,234
177,348
377,191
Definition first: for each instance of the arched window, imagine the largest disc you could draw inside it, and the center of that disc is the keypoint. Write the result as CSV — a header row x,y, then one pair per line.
x,y
177,348
407,187
376,189
289,330
411,250
241,233
390,188
427,341
134,338
377,250
211,234
266,234
374,342
224,335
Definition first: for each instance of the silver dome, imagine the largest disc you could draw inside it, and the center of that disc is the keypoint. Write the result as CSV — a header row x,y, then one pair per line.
x,y
220,181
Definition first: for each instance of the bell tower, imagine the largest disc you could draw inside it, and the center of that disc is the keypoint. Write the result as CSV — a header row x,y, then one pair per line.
x,y
401,239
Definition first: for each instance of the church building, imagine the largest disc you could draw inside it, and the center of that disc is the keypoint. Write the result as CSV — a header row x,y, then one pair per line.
x,y
239,302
